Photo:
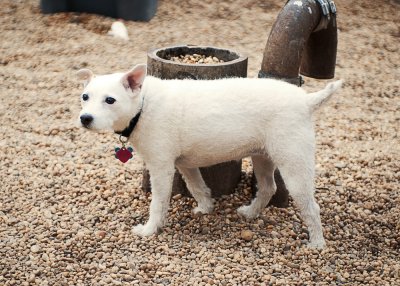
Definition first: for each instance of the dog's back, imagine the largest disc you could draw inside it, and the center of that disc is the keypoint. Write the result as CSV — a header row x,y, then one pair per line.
x,y
236,94
219,120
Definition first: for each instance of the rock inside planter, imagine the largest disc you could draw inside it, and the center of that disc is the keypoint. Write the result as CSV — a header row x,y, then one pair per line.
x,y
195,62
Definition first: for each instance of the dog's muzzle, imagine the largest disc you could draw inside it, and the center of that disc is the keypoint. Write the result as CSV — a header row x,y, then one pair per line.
x,y
86,119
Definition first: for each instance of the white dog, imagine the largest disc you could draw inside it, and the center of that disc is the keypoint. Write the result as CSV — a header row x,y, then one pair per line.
x,y
189,124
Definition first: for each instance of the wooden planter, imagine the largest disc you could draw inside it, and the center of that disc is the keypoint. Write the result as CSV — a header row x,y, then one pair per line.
x,y
222,178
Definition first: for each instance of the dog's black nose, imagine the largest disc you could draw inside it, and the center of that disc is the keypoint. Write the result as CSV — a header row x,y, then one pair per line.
x,y
86,119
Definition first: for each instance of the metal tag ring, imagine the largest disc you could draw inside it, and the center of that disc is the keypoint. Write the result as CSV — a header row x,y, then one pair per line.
x,y
123,141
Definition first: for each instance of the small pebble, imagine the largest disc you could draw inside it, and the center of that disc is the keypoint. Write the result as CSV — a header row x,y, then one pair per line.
x,y
177,197
35,248
246,235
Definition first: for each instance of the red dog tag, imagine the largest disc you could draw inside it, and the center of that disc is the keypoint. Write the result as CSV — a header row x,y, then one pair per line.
x,y
123,154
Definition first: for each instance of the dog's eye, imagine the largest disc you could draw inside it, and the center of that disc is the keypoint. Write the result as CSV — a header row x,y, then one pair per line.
x,y
85,97
110,100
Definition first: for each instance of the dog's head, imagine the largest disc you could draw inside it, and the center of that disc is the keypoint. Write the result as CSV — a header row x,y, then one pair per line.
x,y
110,101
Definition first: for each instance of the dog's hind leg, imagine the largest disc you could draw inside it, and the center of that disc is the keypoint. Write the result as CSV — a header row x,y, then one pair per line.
x,y
264,172
161,183
198,188
298,175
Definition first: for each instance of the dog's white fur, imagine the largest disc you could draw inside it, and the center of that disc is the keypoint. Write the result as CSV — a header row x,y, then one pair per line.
x,y
189,124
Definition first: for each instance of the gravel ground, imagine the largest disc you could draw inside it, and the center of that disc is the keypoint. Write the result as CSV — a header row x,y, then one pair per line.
x,y
67,206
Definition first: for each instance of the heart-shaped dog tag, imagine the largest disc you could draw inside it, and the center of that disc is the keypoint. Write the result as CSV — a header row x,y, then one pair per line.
x,y
123,154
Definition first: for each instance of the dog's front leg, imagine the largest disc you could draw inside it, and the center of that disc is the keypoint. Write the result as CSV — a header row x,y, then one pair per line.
x,y
161,186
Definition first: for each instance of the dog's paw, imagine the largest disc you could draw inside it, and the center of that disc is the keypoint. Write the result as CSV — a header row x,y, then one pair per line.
x,y
145,230
204,207
317,244
247,212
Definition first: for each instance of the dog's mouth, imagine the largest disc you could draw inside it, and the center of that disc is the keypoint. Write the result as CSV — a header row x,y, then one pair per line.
x,y
86,126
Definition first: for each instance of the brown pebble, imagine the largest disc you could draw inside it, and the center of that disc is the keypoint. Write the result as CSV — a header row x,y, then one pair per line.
x,y
101,234
247,235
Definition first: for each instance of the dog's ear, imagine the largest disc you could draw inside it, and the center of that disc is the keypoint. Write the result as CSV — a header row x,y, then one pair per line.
x,y
135,77
85,75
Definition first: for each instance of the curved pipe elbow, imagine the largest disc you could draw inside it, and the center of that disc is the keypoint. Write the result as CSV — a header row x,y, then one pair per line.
x,y
292,45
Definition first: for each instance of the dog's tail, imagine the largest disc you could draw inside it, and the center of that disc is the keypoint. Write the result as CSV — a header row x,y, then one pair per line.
x,y
316,99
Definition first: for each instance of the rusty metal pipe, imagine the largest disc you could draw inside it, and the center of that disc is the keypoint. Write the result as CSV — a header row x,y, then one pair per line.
x,y
302,38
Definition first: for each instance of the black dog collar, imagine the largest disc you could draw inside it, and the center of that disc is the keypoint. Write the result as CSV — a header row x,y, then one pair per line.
x,y
128,130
